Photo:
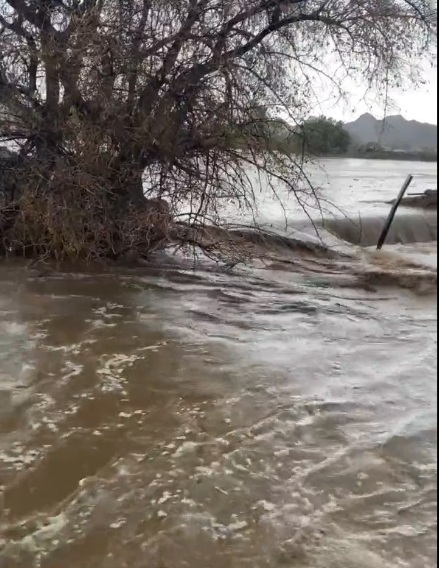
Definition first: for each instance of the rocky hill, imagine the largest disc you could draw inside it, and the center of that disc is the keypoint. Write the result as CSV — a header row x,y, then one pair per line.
x,y
393,133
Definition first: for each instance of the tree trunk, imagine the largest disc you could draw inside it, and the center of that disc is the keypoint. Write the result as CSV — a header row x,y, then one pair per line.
x,y
134,187
127,179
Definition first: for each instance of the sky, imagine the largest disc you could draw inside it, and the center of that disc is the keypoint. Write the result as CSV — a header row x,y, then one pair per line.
x,y
413,103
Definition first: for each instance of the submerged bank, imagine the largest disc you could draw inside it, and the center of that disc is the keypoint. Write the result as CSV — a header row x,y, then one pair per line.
x,y
339,250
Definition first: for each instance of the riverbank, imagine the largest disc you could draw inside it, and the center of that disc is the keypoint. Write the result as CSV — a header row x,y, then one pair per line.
x,y
383,155
426,200
327,255
400,156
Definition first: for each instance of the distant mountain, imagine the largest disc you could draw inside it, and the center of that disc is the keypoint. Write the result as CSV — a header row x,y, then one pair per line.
x,y
393,133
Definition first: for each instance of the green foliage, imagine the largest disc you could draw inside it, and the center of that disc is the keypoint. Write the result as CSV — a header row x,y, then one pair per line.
x,y
318,136
324,137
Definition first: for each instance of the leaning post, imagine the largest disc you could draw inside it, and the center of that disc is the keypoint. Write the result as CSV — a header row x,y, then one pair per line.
x,y
392,213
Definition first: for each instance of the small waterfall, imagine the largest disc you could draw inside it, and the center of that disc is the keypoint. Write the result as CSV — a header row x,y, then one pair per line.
x,y
365,231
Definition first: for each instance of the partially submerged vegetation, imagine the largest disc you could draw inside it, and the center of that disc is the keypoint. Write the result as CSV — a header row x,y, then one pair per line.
x,y
120,114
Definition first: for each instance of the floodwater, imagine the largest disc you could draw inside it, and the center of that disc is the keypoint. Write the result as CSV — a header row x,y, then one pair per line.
x,y
170,418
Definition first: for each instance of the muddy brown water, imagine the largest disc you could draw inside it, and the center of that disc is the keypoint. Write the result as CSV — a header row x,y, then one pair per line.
x,y
172,418
283,415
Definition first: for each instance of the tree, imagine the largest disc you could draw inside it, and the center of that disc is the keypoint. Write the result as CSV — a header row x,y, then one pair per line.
x,y
97,94
324,136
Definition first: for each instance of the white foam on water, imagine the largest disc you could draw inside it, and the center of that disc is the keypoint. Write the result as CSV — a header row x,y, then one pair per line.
x,y
13,328
40,541
344,553
112,368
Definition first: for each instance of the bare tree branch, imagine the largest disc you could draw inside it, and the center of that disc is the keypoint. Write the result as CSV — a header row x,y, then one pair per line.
x,y
109,99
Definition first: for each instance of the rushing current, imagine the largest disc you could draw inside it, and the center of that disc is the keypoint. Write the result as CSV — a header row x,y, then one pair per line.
x,y
263,417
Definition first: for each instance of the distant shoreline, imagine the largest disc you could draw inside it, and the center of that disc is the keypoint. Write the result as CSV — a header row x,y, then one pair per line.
x,y
385,156
400,156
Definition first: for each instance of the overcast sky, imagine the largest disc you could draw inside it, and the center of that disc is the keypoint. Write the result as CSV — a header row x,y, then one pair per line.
x,y
414,104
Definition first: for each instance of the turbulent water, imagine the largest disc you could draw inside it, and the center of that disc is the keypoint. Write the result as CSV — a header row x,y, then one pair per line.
x,y
346,188
267,417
